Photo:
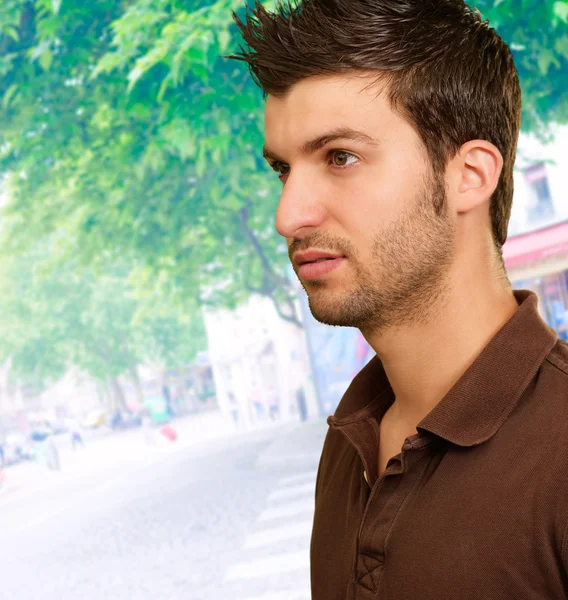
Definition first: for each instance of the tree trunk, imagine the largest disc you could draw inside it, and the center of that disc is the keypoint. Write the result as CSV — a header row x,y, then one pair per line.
x,y
118,394
105,397
137,385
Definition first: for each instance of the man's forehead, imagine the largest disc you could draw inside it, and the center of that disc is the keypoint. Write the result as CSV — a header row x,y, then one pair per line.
x,y
313,110
341,98
325,94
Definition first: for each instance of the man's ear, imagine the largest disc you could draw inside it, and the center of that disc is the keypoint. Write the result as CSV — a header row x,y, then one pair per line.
x,y
473,174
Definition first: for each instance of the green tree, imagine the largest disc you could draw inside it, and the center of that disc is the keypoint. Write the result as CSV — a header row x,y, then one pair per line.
x,y
139,139
537,31
96,322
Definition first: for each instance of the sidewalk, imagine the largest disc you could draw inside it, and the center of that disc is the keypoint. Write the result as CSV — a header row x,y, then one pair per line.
x,y
114,451
297,445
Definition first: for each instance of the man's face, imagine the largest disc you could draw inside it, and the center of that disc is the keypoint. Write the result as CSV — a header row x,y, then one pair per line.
x,y
357,186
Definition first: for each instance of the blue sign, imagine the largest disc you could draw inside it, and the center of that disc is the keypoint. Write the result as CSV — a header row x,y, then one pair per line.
x,y
338,354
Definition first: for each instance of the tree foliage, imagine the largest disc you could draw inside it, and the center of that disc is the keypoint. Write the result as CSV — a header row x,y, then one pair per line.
x,y
127,130
537,31
98,322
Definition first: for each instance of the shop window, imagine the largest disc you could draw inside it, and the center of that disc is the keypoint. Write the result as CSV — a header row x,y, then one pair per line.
x,y
555,290
552,292
541,206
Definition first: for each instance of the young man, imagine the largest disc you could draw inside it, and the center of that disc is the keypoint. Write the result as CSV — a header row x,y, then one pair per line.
x,y
393,126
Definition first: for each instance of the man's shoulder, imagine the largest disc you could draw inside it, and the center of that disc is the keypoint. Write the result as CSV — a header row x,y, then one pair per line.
x,y
559,358
547,403
551,389
544,398
548,423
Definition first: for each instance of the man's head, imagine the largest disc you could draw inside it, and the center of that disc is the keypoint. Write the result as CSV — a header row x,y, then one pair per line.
x,y
393,125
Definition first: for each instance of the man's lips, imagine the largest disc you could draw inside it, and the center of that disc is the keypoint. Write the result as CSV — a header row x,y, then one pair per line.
x,y
313,256
317,269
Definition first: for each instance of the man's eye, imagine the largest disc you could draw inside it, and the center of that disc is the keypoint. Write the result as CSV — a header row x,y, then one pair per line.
x,y
280,168
341,159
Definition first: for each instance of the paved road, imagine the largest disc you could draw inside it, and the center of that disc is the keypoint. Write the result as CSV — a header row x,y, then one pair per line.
x,y
205,522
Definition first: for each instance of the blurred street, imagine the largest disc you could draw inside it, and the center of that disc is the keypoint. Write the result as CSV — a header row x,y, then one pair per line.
x,y
212,516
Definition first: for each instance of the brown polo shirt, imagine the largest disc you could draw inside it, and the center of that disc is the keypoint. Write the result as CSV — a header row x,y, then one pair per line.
x,y
475,507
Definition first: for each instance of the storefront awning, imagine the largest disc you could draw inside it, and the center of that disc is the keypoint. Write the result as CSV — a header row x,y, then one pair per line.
x,y
536,246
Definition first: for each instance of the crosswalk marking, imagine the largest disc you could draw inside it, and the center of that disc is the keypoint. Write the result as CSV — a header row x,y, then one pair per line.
x,y
292,491
278,549
273,565
278,534
291,509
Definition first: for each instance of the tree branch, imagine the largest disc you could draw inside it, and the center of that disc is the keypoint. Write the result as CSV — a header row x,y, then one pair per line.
x,y
292,317
271,279
267,267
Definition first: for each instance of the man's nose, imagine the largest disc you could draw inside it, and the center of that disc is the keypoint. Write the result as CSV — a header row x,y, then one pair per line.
x,y
299,207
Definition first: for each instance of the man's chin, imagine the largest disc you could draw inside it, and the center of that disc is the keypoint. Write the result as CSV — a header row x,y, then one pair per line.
x,y
328,312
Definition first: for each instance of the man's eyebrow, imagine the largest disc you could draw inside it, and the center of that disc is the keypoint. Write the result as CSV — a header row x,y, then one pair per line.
x,y
311,146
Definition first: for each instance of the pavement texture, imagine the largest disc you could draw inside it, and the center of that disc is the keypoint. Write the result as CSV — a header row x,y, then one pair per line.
x,y
216,515
297,445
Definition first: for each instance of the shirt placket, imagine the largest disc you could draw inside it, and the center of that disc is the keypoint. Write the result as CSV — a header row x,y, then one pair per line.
x,y
387,497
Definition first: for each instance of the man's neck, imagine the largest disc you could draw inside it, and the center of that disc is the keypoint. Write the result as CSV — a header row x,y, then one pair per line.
x,y
425,362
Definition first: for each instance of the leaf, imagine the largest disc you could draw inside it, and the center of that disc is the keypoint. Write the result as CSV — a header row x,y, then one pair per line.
x,y
35,53
560,10
216,155
561,46
46,59
9,95
141,112
163,88
201,164
13,33
55,5
224,40
133,77
545,60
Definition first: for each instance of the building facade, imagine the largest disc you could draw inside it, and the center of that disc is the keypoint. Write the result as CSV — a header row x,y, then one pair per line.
x,y
259,363
536,253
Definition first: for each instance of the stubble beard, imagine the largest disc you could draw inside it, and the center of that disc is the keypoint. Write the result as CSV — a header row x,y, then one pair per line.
x,y
408,278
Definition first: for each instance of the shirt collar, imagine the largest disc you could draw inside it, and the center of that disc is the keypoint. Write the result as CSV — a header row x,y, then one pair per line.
x,y
482,399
